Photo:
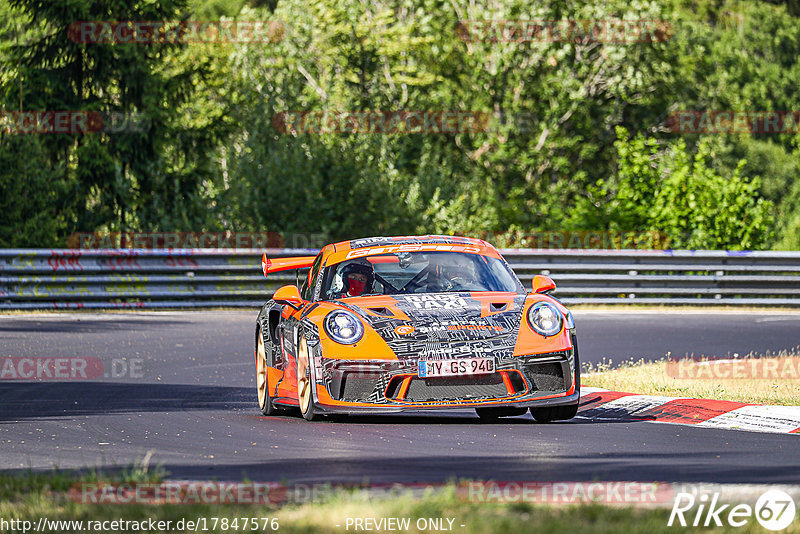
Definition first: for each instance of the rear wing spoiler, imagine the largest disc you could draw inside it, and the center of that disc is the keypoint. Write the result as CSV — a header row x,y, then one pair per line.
x,y
285,264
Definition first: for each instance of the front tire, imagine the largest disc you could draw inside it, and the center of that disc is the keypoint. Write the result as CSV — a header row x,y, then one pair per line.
x,y
305,383
554,413
262,377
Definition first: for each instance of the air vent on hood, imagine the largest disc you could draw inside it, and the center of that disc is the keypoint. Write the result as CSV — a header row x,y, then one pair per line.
x,y
499,306
382,311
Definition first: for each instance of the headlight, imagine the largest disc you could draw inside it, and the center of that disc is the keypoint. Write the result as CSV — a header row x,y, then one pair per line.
x,y
545,319
343,327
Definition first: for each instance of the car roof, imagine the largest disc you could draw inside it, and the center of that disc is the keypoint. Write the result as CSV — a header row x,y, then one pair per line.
x,y
476,245
408,240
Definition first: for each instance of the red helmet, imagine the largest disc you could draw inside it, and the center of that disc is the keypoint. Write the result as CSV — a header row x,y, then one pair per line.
x,y
355,287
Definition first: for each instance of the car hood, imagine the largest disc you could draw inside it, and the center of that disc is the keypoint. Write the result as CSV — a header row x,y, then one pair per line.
x,y
443,324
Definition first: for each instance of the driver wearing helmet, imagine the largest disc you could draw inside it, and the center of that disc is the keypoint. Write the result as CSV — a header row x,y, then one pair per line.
x,y
446,275
357,278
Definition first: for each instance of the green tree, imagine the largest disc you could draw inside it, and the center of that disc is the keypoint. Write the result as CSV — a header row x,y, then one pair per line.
x,y
211,158
149,176
666,189
32,194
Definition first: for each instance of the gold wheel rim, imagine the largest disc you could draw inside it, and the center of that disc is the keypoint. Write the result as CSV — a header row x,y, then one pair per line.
x,y
303,383
261,372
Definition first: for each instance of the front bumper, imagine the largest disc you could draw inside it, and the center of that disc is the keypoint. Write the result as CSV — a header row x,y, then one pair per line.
x,y
345,386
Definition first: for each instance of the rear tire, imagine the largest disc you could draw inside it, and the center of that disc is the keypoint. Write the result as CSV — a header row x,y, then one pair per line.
x,y
305,383
493,414
554,413
262,377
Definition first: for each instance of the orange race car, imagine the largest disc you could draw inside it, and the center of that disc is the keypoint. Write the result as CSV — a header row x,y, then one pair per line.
x,y
390,324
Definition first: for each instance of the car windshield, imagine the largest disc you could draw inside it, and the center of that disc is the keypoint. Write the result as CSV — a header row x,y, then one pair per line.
x,y
418,272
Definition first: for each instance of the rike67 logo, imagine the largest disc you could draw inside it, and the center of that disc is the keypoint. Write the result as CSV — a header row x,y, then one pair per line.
x,y
774,510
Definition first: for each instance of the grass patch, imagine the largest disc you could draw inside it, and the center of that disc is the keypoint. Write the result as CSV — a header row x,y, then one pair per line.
x,y
44,495
55,481
495,518
705,378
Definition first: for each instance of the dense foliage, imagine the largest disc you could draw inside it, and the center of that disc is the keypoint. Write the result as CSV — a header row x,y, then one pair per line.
x,y
574,135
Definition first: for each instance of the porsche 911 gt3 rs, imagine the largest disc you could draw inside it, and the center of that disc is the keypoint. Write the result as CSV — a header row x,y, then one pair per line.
x,y
390,324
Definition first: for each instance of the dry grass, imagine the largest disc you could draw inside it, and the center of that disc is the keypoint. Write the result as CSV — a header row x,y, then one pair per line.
x,y
657,378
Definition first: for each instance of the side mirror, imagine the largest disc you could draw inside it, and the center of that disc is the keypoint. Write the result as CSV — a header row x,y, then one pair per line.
x,y
543,284
289,295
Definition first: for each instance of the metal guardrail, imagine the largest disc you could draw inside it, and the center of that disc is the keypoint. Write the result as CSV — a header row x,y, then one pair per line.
x,y
708,277
194,278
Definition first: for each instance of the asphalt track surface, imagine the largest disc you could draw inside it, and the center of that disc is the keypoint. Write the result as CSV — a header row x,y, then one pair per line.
x,y
192,406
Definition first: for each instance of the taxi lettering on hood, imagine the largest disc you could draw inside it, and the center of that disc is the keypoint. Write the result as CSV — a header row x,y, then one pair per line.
x,y
436,302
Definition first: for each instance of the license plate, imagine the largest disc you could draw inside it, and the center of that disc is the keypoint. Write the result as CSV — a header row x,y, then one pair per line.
x,y
459,367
